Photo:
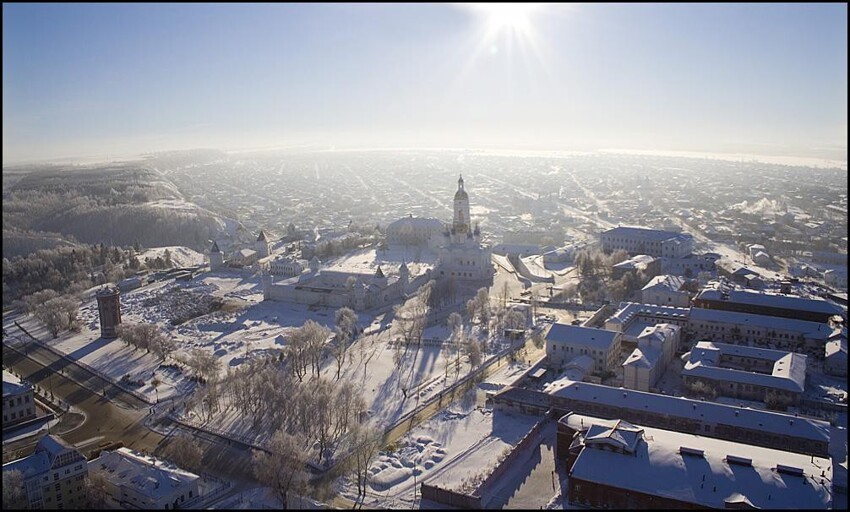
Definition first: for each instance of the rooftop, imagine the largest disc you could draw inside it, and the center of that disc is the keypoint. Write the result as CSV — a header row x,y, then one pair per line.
x,y
596,338
811,329
146,474
627,311
773,300
13,385
766,421
655,235
789,369
668,282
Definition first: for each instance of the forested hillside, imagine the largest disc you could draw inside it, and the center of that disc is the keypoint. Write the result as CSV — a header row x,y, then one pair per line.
x,y
118,204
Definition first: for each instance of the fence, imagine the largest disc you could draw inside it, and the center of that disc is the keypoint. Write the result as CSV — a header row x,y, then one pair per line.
x,y
448,497
529,439
84,366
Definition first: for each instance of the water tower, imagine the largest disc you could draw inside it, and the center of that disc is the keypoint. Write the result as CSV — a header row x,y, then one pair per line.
x,y
109,307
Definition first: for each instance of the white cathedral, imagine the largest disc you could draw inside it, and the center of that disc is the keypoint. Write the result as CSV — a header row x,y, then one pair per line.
x,y
462,255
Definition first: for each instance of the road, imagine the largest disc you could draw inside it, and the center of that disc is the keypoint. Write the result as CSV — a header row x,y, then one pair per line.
x,y
120,418
106,421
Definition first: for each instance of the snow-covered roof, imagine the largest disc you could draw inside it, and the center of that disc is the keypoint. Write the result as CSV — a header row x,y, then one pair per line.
x,y
706,359
577,335
416,222
834,348
627,311
43,458
706,471
810,329
621,434
13,385
666,282
147,475
710,412
246,253
643,357
635,261
655,235
773,300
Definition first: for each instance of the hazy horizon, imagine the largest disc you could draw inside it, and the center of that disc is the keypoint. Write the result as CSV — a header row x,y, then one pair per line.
x,y
84,81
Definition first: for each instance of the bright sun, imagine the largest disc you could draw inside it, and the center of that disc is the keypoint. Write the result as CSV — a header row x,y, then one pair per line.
x,y
513,17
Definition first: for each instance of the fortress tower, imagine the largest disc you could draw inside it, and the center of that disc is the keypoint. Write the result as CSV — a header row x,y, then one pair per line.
x,y
109,308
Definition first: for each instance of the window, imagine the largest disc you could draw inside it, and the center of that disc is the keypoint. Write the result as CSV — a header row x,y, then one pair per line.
x,y
56,487
55,476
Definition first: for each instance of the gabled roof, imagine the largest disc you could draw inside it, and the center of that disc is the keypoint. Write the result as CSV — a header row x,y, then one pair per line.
x,y
215,247
622,434
262,237
597,338
379,272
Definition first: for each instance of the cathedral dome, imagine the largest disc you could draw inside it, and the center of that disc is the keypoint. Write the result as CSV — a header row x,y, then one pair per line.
x,y
461,195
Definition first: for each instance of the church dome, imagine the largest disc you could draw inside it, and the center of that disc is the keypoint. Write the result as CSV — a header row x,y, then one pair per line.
x,y
461,195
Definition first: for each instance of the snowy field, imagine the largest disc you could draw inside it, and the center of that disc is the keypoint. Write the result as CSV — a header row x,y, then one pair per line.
x,y
248,327
180,256
460,443
366,261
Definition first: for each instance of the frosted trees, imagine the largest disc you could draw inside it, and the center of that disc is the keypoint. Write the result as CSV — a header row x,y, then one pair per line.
x,y
514,319
205,365
346,327
282,468
411,319
147,337
473,351
315,337
185,452
365,442
56,313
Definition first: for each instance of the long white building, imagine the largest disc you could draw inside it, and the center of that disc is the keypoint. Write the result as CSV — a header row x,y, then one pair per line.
x,y
746,372
654,242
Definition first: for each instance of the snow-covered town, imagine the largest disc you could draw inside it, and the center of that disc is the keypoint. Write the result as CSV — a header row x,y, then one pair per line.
x,y
341,263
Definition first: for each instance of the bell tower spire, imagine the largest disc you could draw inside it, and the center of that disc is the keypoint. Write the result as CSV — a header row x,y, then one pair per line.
x,y
461,221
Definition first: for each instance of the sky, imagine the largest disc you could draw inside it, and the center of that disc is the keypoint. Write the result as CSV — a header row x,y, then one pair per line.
x,y
119,79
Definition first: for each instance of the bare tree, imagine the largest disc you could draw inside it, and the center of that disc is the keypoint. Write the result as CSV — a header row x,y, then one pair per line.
x,y
515,319
282,468
482,300
346,327
315,337
31,302
185,452
203,363
51,317
473,351
14,493
365,442
97,490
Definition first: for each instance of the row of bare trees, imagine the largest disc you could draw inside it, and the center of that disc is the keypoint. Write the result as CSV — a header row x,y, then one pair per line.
x,y
57,312
147,337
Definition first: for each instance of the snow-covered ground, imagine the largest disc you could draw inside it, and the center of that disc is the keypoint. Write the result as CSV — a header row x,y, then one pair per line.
x,y
463,442
180,256
366,261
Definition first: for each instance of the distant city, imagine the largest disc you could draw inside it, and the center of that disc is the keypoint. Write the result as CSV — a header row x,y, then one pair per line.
x,y
383,256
